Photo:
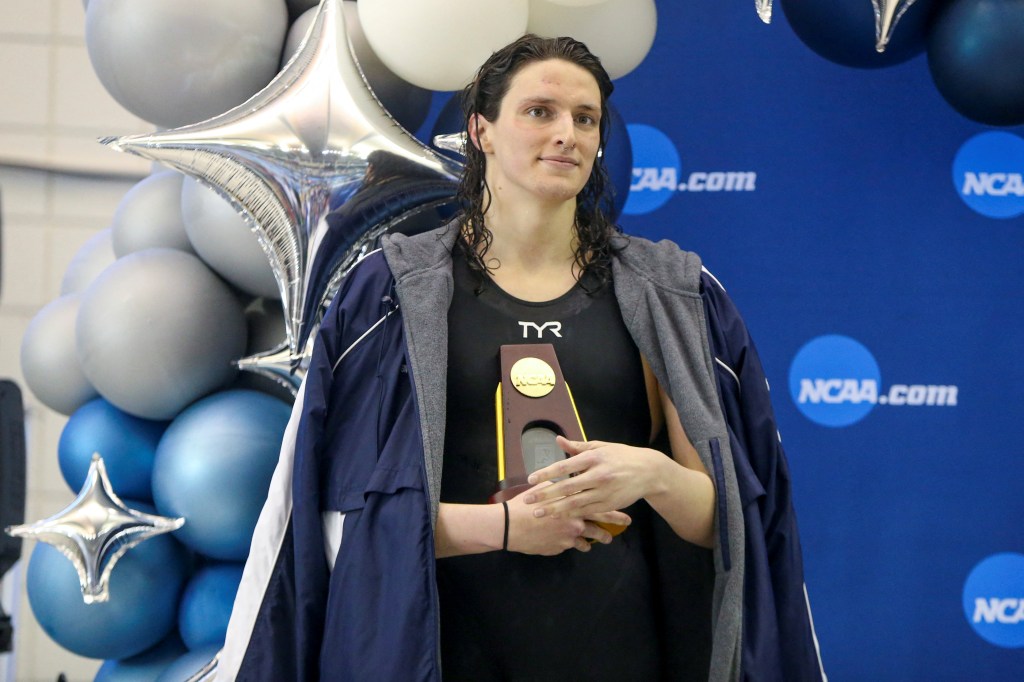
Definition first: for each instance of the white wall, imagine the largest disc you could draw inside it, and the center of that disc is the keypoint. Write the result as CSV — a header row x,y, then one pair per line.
x,y
58,187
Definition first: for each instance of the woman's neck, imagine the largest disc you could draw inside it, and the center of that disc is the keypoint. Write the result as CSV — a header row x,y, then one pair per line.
x,y
531,237
532,254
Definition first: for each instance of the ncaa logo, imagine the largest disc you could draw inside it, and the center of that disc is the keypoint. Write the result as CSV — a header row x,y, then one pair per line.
x,y
994,600
834,380
987,173
656,169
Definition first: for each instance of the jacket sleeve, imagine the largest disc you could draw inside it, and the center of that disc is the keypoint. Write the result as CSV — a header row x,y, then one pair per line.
x,y
779,642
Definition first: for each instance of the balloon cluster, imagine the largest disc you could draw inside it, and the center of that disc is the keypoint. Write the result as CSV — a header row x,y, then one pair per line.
x,y
975,48
291,167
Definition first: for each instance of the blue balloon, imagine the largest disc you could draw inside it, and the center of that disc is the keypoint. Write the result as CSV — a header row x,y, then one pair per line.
x,y
127,444
617,157
843,31
206,604
188,665
213,467
144,667
142,609
976,57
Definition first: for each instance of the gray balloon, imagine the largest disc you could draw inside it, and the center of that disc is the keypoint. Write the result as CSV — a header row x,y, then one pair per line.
x,y
407,103
175,62
157,330
89,261
149,216
223,239
49,362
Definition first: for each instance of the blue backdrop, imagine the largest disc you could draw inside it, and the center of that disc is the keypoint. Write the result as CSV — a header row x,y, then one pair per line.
x,y
886,304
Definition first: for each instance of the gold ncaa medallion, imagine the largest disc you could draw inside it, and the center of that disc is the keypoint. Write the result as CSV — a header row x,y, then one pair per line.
x,y
532,377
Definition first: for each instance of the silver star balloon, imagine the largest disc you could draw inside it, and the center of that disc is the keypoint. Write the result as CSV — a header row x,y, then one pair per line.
x,y
887,14
390,202
95,531
280,365
297,146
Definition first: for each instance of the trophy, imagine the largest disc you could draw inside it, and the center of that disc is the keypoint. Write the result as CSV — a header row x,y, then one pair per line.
x,y
533,404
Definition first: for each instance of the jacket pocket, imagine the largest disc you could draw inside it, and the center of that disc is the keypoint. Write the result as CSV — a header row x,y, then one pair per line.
x,y
721,501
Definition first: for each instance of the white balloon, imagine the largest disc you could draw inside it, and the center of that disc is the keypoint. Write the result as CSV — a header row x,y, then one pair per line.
x,y
619,32
149,216
156,331
173,62
90,260
49,362
439,44
222,238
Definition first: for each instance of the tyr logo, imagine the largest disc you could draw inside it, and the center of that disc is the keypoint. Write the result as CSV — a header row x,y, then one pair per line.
x,y
554,327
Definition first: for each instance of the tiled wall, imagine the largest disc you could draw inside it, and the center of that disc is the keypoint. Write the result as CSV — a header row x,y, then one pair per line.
x,y
58,187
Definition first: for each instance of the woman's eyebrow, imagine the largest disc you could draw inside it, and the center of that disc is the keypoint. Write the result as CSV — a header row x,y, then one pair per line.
x,y
552,100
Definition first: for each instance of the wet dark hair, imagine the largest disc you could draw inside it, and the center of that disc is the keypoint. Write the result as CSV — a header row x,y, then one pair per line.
x,y
483,96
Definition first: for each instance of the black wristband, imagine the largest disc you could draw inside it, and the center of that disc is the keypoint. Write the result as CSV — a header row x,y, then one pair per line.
x,y
504,542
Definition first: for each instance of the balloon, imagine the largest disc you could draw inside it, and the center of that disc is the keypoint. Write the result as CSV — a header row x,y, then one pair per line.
x,y
403,100
90,260
95,531
173,62
439,44
222,238
206,604
141,611
149,216
156,331
213,467
144,667
844,31
49,362
887,14
619,32
183,669
281,156
450,121
126,443
976,57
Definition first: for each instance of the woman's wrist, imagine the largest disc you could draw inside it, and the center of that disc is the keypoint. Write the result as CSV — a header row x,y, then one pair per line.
x,y
469,529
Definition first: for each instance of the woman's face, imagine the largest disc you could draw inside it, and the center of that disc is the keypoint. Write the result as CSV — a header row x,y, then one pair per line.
x,y
544,141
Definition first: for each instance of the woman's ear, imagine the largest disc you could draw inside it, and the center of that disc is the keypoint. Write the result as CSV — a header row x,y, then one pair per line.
x,y
479,133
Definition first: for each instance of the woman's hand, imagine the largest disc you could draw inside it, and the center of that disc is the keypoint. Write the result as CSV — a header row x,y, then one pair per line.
x,y
598,477
548,536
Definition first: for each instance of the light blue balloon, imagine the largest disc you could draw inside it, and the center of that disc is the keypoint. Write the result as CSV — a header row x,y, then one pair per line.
x,y
145,587
213,467
126,443
206,604
144,667
188,665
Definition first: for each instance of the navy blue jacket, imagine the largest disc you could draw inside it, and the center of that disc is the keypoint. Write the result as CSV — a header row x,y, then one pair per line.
x,y
357,442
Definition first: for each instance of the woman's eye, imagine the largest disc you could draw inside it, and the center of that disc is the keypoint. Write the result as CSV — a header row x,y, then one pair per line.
x,y
585,119
536,112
